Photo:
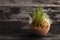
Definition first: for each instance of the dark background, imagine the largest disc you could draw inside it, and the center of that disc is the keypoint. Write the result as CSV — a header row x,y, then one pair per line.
x,y
15,15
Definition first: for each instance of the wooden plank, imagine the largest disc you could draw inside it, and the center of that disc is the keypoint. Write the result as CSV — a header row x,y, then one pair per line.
x,y
36,5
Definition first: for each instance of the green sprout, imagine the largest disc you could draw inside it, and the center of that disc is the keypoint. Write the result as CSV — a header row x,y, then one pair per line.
x,y
38,15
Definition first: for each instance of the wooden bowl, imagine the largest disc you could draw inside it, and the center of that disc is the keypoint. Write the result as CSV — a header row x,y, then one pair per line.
x,y
39,30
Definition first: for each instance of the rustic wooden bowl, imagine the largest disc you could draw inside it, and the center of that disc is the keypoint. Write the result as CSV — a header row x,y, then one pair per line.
x,y
39,30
